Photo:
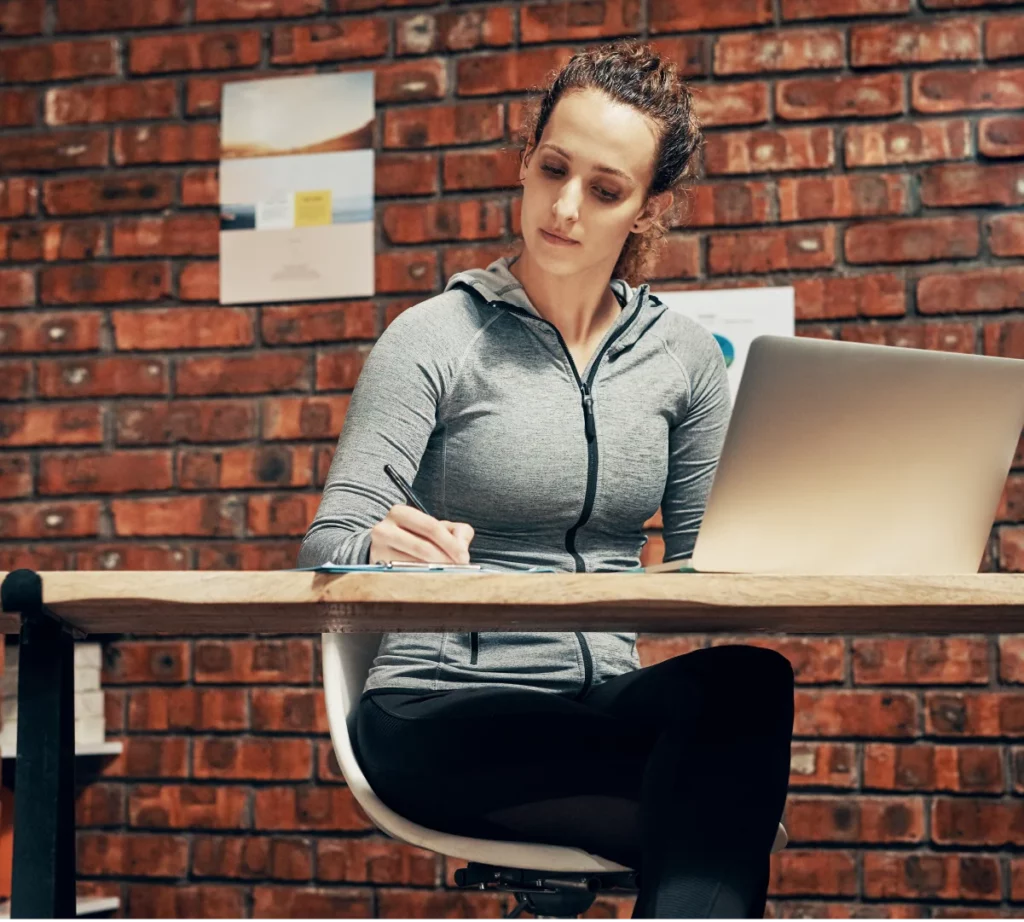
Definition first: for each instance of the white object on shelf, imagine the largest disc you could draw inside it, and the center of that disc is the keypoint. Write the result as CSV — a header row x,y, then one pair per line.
x,y
84,906
105,748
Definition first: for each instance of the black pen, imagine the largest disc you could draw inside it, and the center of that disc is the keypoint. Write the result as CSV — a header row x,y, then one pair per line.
x,y
410,497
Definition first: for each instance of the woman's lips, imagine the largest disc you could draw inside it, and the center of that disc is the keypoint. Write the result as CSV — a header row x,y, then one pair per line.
x,y
558,241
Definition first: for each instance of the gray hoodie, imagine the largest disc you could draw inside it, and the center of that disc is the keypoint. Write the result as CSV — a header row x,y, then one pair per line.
x,y
474,399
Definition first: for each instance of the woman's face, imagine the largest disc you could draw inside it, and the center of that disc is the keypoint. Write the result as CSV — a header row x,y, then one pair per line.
x,y
586,183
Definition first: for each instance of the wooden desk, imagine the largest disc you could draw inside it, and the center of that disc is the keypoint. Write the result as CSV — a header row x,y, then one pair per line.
x,y
48,608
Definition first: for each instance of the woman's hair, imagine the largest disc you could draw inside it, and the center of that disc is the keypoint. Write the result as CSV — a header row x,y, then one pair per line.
x,y
631,72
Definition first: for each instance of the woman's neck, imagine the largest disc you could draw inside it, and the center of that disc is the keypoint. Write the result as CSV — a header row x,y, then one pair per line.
x,y
581,307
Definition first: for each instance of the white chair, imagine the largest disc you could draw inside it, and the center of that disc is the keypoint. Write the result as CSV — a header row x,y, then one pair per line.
x,y
546,879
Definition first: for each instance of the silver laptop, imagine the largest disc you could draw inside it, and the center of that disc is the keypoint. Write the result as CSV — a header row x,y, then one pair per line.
x,y
847,458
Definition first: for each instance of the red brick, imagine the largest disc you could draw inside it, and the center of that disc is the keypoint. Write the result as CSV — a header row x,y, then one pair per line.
x,y
825,9
150,757
252,759
1006,235
339,370
132,854
242,374
244,467
231,856
810,198
22,17
100,805
1004,38
976,291
972,184
408,81
508,72
719,104
931,767
1011,549
893,875
49,331
36,556
56,240
921,661
183,328
328,809
172,235
907,142
1001,136
192,901
427,904
178,143
334,41
254,661
767,52
104,472
110,376
378,861
15,476
199,187
104,194
152,662
15,380
814,764
444,125
576,20
769,151
814,872
289,902
925,42
203,95
116,102
185,421
60,425
282,514
455,30
46,520
409,174
187,806
1011,502
814,660
42,63
962,90
1011,658
319,417
257,555
696,15
199,281
18,197
113,15
690,53
970,821
18,108
432,222
458,259
855,713
315,323
182,51
973,713
131,556
727,203
912,240
678,257
865,819
105,283
288,710
839,97
948,337
188,709
175,515
68,149
771,251
213,10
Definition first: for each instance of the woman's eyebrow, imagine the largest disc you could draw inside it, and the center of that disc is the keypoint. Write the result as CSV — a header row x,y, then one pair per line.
x,y
601,168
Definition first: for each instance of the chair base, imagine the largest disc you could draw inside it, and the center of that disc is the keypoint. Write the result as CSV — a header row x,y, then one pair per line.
x,y
545,893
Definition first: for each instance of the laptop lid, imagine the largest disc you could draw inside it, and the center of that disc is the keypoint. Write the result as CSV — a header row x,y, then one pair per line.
x,y
849,458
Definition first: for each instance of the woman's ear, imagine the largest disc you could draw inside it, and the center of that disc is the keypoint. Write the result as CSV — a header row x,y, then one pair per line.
x,y
654,209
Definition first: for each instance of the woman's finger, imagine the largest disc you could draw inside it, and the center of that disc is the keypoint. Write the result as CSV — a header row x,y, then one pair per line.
x,y
426,526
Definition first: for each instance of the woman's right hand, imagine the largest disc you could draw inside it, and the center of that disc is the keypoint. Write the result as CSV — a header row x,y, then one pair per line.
x,y
405,533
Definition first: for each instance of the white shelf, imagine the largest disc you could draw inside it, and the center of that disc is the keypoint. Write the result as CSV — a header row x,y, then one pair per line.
x,y
85,906
85,749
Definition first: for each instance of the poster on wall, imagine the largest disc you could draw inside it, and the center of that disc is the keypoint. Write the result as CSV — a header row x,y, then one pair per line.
x,y
735,316
296,188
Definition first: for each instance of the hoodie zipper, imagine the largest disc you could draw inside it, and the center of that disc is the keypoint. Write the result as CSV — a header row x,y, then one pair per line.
x,y
590,431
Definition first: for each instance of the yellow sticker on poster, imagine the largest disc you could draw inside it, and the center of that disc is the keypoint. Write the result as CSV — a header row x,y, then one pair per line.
x,y
313,208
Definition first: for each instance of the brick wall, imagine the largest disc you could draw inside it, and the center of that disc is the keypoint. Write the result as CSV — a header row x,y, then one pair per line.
x,y
866,151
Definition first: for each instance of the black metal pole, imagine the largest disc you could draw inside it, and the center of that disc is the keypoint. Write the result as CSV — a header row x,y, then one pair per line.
x,y
43,879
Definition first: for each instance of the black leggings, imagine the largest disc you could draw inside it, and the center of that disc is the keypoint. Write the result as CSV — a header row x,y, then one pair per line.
x,y
679,770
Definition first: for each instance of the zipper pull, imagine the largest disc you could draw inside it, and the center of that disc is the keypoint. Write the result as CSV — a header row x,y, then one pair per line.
x,y
588,413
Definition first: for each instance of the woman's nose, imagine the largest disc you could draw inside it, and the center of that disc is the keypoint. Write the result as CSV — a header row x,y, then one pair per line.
x,y
566,207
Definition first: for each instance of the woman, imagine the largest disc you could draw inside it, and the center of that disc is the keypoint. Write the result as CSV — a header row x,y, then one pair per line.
x,y
543,408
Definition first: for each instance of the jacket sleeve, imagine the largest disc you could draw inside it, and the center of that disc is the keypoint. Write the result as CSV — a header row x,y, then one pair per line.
x,y
695,444
389,420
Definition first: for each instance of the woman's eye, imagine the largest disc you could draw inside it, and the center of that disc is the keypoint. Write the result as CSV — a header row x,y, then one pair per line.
x,y
606,195
554,171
